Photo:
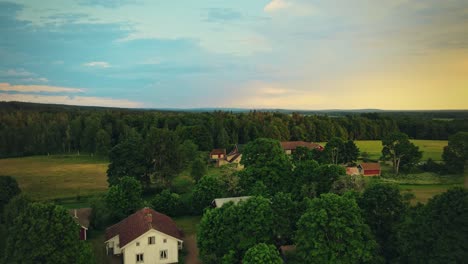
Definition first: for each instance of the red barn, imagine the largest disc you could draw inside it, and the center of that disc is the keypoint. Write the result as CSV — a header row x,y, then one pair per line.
x,y
370,169
81,217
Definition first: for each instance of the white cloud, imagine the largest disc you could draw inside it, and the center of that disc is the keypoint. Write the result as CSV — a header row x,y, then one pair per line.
x,y
70,100
38,88
276,5
29,80
97,64
16,73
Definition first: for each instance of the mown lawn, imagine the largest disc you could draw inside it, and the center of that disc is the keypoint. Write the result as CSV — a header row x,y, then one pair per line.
x,y
57,176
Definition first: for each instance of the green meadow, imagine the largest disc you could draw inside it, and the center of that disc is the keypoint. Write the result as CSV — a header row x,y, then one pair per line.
x,y
57,176
431,148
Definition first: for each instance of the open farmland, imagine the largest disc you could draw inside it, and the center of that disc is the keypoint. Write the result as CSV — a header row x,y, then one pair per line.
x,y
57,176
431,148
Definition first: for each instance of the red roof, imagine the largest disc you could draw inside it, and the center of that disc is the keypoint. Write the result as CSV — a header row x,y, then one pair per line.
x,y
370,166
218,152
141,222
292,145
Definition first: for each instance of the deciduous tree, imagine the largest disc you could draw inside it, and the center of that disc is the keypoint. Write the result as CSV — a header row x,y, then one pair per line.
x,y
262,254
400,150
124,198
333,231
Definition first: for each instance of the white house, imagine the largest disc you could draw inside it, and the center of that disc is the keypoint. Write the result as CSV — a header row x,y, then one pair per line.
x,y
145,237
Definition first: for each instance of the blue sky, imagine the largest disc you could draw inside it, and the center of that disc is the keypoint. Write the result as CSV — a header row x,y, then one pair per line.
x,y
296,54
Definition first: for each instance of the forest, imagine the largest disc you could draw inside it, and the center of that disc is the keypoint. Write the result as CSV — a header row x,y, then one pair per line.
x,y
36,129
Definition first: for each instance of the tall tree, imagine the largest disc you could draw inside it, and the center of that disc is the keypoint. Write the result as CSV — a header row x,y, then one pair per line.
x,y
436,232
265,161
124,198
198,169
45,233
8,189
162,149
207,189
128,159
400,150
383,209
333,231
456,154
335,149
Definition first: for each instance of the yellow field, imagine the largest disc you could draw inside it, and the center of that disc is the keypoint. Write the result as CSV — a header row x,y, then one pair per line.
x,y
51,177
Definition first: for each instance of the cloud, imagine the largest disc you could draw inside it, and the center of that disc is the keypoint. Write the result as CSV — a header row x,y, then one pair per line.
x,y
97,64
276,5
70,100
16,73
107,3
35,80
37,89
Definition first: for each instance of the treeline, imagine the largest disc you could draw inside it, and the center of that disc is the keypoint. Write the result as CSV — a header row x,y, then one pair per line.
x,y
34,129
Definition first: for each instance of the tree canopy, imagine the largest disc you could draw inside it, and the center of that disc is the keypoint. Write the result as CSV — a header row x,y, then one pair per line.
x,y
455,154
398,148
262,254
333,231
124,198
228,232
45,233
8,189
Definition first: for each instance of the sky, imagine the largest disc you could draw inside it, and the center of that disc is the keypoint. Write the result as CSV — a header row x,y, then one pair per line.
x,y
289,54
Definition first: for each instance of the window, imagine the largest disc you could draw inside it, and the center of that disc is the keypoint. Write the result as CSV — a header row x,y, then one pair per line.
x,y
151,240
164,240
139,257
138,244
163,254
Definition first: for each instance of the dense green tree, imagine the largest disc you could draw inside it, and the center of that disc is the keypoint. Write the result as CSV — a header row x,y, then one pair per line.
x,y
333,231
383,208
286,214
162,150
302,154
167,203
127,158
351,152
398,148
101,216
436,232
103,142
346,183
325,175
198,169
262,254
334,149
265,161
234,228
45,233
124,198
205,191
188,152
16,205
455,154
8,189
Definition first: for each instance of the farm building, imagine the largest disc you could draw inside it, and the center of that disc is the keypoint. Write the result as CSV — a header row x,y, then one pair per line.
x,y
352,171
217,154
370,169
235,156
290,146
145,237
81,217
217,203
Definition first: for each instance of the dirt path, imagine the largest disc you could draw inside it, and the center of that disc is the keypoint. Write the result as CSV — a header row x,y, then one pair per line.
x,y
190,243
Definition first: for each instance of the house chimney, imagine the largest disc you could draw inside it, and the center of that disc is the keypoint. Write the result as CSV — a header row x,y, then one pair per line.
x,y
148,216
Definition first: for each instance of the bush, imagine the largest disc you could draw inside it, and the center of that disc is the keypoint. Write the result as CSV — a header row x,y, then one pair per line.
x,y
168,203
182,185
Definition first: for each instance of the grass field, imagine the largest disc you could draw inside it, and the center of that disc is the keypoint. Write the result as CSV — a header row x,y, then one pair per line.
x,y
431,148
57,176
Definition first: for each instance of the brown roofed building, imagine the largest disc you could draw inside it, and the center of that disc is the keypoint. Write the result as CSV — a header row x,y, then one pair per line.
x,y
81,217
290,146
145,236
217,154
370,169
